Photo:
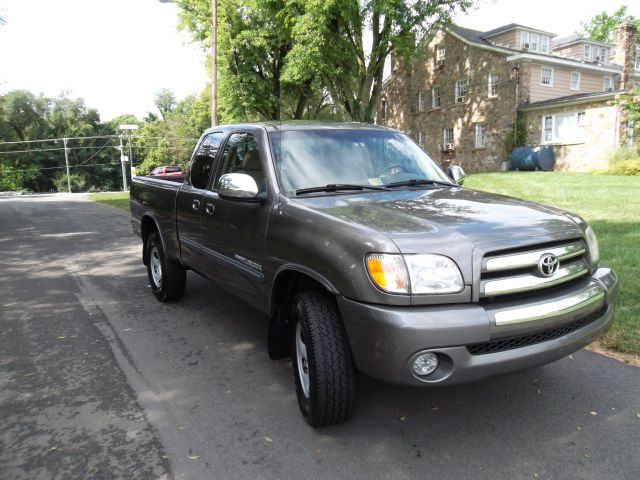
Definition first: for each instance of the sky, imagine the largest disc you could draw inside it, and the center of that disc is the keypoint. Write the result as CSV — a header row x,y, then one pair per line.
x,y
117,53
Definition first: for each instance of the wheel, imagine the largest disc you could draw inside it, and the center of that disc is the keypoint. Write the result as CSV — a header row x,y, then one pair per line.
x,y
322,363
167,278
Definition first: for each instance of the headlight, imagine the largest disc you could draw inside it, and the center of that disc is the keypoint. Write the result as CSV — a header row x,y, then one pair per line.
x,y
592,243
427,273
433,274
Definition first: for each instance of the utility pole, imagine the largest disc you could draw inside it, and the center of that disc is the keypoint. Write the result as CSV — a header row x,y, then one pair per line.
x,y
122,162
130,128
214,64
66,160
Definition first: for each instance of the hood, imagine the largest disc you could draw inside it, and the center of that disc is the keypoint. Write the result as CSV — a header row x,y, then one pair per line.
x,y
424,220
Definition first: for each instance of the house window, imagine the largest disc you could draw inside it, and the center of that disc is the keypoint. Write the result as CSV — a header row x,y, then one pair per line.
x,y
575,81
546,76
421,139
435,97
564,128
534,40
544,43
440,53
603,55
547,129
607,84
384,109
524,39
447,137
422,97
461,91
587,53
638,57
494,80
481,135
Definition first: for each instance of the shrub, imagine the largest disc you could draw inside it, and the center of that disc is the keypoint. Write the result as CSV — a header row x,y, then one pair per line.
x,y
622,154
625,167
78,182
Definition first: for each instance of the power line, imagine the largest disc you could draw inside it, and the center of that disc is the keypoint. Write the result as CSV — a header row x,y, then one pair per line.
x,y
57,168
98,136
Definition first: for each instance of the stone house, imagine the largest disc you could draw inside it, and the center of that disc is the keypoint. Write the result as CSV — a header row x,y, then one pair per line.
x,y
468,96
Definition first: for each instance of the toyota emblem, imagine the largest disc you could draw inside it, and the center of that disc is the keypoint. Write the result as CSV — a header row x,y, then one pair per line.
x,y
548,265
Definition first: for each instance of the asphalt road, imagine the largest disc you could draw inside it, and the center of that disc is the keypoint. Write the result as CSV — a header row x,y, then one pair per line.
x,y
99,380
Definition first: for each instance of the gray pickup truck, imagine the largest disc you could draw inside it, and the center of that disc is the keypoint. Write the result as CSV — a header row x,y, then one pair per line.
x,y
365,255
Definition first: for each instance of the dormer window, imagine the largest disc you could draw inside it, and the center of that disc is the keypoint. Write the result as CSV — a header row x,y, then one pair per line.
x,y
587,52
534,42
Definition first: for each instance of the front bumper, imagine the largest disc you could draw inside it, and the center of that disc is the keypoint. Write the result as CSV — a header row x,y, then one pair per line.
x,y
510,335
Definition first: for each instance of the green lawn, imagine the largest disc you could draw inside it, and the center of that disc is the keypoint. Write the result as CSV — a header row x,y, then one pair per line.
x,y
116,199
611,205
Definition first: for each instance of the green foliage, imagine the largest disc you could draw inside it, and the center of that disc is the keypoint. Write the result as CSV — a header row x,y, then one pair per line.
x,y
625,167
77,180
33,166
165,101
304,59
602,26
623,154
518,136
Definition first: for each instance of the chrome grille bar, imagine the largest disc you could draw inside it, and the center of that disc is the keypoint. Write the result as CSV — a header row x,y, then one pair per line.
x,y
530,259
524,283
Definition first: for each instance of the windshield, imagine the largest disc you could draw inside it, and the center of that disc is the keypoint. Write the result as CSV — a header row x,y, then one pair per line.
x,y
311,158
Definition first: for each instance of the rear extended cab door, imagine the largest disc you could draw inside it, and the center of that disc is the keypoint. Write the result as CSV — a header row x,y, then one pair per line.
x,y
189,200
233,231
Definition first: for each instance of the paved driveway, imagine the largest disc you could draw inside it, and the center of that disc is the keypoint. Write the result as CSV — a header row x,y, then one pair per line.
x,y
99,380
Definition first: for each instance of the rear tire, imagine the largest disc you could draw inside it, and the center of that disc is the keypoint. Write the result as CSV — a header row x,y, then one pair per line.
x,y
168,279
322,362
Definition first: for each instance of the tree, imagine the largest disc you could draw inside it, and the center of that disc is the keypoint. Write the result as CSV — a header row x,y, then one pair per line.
x,y
630,105
165,101
254,40
602,27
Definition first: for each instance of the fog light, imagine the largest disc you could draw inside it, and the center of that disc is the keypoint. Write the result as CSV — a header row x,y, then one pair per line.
x,y
425,364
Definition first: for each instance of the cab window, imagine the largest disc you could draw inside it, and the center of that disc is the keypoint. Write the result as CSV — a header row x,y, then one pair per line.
x,y
203,160
242,155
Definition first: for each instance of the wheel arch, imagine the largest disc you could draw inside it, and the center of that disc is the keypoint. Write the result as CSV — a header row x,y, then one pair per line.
x,y
288,281
148,225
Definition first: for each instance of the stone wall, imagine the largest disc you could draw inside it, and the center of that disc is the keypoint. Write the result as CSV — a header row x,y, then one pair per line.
x,y
461,62
600,136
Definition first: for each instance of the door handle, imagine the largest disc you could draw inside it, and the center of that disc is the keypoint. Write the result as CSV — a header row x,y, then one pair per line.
x,y
209,208
196,204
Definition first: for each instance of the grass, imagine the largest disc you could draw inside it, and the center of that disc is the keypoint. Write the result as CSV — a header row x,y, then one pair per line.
x,y
115,199
611,205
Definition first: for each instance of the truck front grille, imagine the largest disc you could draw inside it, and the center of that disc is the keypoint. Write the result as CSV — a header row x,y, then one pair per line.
x,y
516,271
538,337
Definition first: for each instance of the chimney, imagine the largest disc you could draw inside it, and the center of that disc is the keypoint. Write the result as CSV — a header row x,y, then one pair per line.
x,y
625,55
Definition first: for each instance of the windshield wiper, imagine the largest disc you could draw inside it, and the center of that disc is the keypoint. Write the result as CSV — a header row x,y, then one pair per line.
x,y
334,187
415,181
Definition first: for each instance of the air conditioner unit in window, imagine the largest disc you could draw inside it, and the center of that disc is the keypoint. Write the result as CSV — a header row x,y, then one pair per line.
x,y
525,46
448,147
440,63
597,59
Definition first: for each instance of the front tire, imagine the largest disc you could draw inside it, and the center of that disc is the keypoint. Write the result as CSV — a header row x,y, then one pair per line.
x,y
322,362
168,279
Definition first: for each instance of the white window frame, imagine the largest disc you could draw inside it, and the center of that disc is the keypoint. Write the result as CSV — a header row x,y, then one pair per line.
x,y
548,130
524,38
575,86
422,103
481,135
544,43
534,42
458,97
542,76
637,65
441,53
607,83
436,101
492,84
587,52
446,138
421,139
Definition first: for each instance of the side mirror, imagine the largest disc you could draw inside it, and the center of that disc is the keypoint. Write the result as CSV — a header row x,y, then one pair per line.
x,y
456,173
238,186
